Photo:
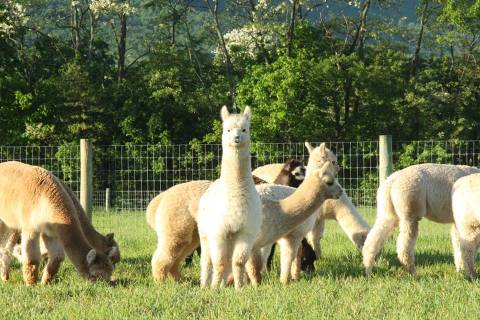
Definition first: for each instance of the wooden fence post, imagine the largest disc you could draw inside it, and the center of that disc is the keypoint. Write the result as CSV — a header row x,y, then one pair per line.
x,y
107,199
385,166
86,177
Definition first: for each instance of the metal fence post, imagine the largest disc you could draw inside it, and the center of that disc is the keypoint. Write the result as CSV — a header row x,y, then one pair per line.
x,y
385,166
86,177
107,199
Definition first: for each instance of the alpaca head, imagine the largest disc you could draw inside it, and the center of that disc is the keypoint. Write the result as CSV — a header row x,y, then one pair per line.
x,y
326,178
236,128
320,155
100,266
292,174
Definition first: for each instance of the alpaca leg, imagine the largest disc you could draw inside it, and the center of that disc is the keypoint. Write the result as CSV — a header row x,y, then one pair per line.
x,y
220,260
164,259
297,264
205,263
254,267
469,241
406,244
270,257
376,239
457,253
315,235
288,252
307,257
241,251
9,240
56,255
31,256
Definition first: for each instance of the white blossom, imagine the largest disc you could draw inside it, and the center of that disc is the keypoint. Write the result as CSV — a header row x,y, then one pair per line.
x,y
99,7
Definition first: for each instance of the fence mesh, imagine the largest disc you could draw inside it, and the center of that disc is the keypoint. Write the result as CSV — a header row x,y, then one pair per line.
x,y
136,173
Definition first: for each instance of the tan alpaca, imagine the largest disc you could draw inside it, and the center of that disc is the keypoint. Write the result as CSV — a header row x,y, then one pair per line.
x,y
105,244
33,202
466,213
172,214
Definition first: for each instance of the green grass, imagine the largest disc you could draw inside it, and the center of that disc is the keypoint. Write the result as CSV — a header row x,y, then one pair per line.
x,y
337,289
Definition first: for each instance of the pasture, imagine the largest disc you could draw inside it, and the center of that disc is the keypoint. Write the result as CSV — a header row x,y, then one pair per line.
x,y
337,289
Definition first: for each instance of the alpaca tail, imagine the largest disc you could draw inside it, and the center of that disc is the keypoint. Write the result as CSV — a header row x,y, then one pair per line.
x,y
152,210
384,224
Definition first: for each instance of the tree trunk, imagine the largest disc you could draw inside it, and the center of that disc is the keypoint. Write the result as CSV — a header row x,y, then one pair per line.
x,y
223,46
416,56
75,29
358,39
291,28
122,44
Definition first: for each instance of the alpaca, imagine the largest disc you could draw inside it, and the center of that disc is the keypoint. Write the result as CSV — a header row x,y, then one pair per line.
x,y
285,211
466,213
229,212
291,174
173,216
36,204
105,244
403,199
341,210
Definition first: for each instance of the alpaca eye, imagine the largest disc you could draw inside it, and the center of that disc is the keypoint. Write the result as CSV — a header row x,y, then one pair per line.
x,y
243,130
330,183
228,130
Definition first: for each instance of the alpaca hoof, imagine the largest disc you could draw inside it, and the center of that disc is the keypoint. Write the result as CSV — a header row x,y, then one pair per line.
x,y
5,277
368,272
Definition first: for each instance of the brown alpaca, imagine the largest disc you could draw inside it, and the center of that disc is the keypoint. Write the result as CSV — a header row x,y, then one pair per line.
x,y
35,203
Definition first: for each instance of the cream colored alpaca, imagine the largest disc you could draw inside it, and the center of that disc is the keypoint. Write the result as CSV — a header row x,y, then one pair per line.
x,y
229,212
341,210
466,213
34,202
288,214
403,199
172,214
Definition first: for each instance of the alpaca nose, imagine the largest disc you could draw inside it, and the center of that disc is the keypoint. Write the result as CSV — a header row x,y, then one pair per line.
x,y
237,139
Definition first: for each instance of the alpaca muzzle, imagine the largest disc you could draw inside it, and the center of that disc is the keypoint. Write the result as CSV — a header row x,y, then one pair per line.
x,y
237,139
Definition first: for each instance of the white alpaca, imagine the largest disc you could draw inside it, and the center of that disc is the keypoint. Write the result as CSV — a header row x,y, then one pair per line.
x,y
404,198
229,214
466,213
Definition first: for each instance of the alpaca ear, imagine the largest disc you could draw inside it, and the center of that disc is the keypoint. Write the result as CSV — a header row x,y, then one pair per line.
x,y
309,147
91,255
323,148
224,113
113,253
109,238
247,113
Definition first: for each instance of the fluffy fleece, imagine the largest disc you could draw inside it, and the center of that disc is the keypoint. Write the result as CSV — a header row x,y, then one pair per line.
x,y
406,197
173,214
466,213
33,202
229,212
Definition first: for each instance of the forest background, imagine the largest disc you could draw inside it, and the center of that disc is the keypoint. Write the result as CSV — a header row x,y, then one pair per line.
x,y
158,71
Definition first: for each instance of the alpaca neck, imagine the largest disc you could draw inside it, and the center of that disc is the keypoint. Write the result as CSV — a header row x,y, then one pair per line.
x,y
304,202
75,245
236,164
349,218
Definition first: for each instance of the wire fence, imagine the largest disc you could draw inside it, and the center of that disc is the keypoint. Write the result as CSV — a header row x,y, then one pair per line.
x,y
137,173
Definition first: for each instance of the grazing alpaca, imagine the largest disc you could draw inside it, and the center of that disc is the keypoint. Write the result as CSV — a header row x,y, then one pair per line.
x,y
403,199
173,216
229,213
105,244
33,202
466,213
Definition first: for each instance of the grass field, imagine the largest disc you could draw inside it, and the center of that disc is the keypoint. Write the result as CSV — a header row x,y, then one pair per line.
x,y
337,289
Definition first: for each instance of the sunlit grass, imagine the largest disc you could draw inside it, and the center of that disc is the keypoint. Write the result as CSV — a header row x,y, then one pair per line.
x,y
337,289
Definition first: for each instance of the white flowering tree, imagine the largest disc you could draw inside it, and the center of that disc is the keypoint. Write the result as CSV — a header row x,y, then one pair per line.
x,y
116,12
